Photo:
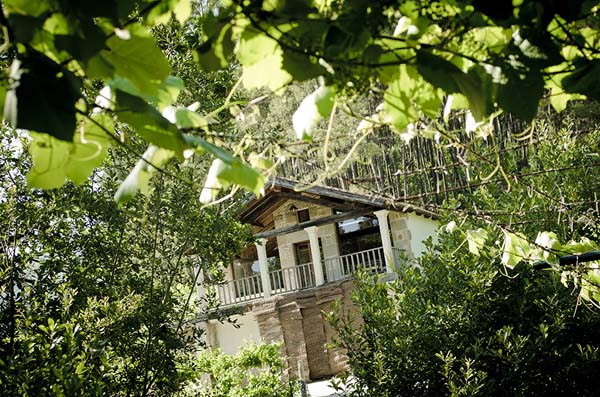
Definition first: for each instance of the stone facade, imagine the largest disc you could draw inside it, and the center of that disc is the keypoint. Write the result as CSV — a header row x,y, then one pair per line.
x,y
401,235
297,320
283,217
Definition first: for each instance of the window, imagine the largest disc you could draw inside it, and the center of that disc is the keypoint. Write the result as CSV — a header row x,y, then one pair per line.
x,y
303,215
359,234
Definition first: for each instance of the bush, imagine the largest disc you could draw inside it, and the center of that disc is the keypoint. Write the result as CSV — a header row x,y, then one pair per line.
x,y
256,371
457,326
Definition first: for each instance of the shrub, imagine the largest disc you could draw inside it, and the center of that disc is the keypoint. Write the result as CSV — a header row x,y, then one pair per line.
x,y
455,325
256,371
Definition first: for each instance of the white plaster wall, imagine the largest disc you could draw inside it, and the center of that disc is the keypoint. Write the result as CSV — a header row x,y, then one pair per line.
x,y
231,339
421,229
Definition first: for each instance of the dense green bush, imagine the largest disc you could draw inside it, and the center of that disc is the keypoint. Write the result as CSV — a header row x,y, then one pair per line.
x,y
455,325
256,371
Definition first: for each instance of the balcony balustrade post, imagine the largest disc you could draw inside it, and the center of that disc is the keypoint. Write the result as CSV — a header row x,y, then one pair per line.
x,y
386,240
261,248
315,252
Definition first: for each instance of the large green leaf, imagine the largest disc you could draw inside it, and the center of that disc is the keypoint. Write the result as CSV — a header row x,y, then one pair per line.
x,y
55,161
90,147
49,156
476,240
558,97
216,51
222,174
262,59
476,87
510,95
133,55
226,170
44,97
398,99
585,79
148,122
514,249
31,8
438,71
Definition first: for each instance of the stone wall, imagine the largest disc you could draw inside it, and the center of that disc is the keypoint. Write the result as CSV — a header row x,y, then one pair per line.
x,y
401,234
297,320
283,217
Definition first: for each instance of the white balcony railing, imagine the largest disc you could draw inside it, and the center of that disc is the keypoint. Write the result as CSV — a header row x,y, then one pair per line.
x,y
301,277
339,267
240,290
292,278
282,280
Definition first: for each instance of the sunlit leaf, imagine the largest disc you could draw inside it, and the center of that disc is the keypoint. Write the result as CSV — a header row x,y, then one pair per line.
x,y
133,56
139,178
312,108
515,249
476,240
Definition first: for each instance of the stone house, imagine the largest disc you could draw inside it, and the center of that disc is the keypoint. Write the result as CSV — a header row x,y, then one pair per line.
x,y
276,285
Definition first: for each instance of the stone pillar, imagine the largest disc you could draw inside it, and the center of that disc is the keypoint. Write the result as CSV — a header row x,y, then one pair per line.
x,y
261,248
316,254
386,241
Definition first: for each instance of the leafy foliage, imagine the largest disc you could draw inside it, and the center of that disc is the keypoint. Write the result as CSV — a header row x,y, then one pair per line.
x,y
454,325
256,371
97,300
59,54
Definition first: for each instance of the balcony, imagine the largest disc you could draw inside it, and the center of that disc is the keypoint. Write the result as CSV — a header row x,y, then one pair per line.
x,y
302,277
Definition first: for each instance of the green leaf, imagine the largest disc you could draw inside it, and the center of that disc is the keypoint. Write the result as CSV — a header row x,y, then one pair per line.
x,y
438,71
185,118
215,52
225,170
49,156
148,122
300,66
476,240
90,147
28,7
161,13
548,241
139,178
585,79
201,145
222,174
312,108
515,249
55,160
558,97
475,86
397,100
44,98
510,95
168,91
262,59
132,55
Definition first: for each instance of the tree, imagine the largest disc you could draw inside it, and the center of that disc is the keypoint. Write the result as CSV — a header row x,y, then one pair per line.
x,y
455,326
484,55
97,300
415,57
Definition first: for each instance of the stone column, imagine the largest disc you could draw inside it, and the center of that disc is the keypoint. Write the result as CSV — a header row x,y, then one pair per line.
x,y
386,241
261,248
316,254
